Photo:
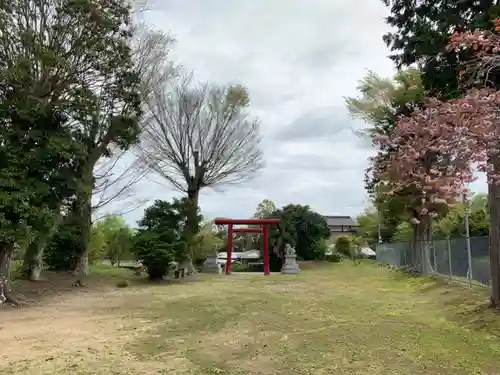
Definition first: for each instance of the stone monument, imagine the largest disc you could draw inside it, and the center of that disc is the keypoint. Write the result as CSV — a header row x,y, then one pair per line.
x,y
211,265
290,266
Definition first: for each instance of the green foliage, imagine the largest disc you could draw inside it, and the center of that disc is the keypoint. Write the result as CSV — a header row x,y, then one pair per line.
x,y
161,237
206,243
110,225
452,224
238,267
106,98
403,233
110,237
380,103
420,32
343,245
156,251
368,224
334,257
319,248
265,209
119,245
64,100
61,253
302,228
357,242
97,247
117,236
35,154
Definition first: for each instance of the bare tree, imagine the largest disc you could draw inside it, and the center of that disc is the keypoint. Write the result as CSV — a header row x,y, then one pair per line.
x,y
115,179
116,176
151,54
200,135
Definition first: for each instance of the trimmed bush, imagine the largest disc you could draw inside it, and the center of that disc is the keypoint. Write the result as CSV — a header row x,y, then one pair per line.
x,y
334,258
155,254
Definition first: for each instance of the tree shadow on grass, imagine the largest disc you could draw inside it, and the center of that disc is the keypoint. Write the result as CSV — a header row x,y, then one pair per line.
x,y
462,305
55,284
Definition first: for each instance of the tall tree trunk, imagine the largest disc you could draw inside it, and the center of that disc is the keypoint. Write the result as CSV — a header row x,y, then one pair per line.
x,y
6,253
33,257
414,248
83,219
192,227
194,195
494,242
422,238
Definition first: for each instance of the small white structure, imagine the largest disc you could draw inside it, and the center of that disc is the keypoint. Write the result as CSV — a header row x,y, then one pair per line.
x,y
367,253
238,256
330,250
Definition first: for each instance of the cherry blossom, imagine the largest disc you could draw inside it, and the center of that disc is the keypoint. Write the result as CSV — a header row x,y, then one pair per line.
x,y
438,147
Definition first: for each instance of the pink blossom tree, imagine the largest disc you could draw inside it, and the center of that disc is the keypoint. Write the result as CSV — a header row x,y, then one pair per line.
x,y
426,166
438,147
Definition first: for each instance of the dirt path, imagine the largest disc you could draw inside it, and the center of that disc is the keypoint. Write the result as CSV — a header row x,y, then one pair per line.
x,y
340,319
84,332
65,331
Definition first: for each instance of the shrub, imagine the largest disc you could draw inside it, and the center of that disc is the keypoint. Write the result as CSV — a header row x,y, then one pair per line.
x,y
62,249
343,246
319,248
334,257
302,228
97,245
238,267
155,254
122,284
162,237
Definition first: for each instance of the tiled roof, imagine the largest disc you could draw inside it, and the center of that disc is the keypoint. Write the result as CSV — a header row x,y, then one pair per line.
x,y
340,220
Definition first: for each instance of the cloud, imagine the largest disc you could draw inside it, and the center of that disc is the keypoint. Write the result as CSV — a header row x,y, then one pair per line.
x,y
298,59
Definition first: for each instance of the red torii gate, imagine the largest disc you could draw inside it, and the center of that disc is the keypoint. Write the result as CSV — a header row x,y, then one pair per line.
x,y
263,229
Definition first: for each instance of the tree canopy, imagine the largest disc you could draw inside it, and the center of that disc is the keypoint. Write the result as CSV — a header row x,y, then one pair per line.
x,y
420,32
199,135
303,229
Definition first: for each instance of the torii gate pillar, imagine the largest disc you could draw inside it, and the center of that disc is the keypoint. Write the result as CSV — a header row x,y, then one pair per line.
x,y
264,223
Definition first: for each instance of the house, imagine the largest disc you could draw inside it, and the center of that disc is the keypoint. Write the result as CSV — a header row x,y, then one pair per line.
x,y
340,226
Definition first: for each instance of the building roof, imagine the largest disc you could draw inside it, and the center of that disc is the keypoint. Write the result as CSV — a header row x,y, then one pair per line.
x,y
340,220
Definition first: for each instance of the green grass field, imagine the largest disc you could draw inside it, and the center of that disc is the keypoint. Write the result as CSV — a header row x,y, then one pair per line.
x,y
331,319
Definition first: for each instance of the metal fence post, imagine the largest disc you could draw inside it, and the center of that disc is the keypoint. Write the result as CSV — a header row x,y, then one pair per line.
x,y
467,238
448,245
434,260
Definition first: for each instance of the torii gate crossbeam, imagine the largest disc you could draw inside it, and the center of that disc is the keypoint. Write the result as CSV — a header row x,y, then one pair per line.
x,y
264,223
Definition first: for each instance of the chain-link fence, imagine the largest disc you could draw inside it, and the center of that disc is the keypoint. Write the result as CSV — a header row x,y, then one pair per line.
x,y
449,258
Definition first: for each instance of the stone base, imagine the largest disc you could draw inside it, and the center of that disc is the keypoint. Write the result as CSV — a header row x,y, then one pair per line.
x,y
290,267
211,265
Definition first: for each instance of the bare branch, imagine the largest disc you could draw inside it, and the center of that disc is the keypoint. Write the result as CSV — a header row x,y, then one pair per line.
x,y
151,55
116,176
200,135
98,217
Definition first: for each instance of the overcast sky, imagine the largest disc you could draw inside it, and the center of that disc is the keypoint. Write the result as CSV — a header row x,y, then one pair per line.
x,y
298,58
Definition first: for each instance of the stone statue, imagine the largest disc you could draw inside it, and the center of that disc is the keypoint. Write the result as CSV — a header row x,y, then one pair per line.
x,y
289,250
290,266
211,265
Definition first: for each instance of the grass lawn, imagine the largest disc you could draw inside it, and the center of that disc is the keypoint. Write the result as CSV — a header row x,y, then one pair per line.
x,y
332,319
